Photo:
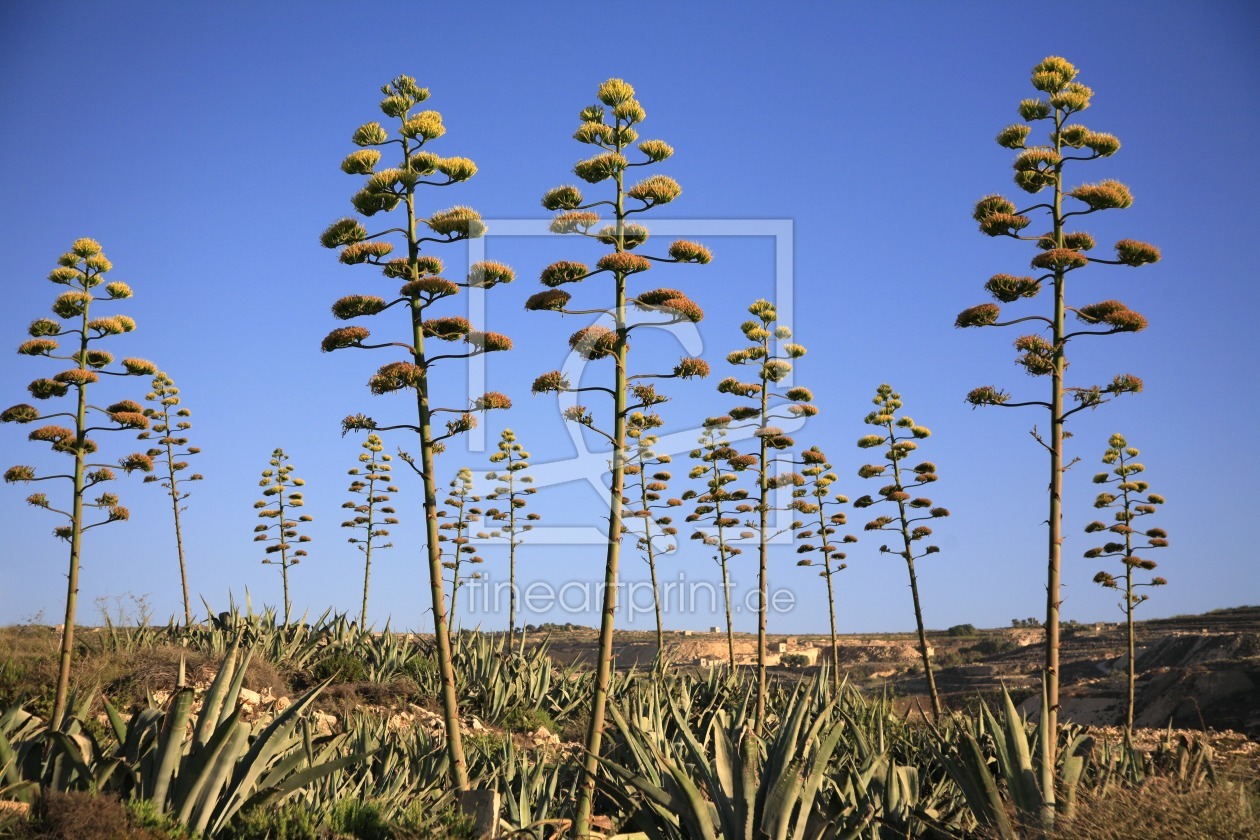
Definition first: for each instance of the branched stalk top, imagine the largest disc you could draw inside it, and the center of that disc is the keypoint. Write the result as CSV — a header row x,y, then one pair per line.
x,y
387,189
610,127
82,269
1129,507
371,483
647,482
512,486
1060,251
169,422
820,510
899,435
281,493
715,504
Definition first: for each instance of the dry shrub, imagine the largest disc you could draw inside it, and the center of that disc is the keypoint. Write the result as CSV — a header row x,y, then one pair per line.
x,y
83,816
1163,808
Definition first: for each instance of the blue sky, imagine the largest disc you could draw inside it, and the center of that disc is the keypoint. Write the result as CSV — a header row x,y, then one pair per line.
x,y
200,145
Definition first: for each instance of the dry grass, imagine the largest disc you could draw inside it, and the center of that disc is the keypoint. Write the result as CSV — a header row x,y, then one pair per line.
x,y
28,670
79,816
1162,808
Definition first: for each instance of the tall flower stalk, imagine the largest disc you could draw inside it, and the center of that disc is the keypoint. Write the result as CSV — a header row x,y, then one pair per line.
x,y
822,518
460,552
613,133
389,189
1129,508
282,495
372,514
171,423
82,269
513,487
714,507
650,521
909,522
769,354
1044,354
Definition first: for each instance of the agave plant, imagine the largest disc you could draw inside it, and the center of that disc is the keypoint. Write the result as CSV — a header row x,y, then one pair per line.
x,y
201,775
728,783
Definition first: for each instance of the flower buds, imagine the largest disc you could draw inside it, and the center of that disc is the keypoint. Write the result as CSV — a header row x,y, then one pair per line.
x,y
1134,253
614,92
601,167
426,124
658,189
656,150
396,376
357,306
562,198
594,342
370,134
1106,195
691,368
458,223
552,299
574,221
984,315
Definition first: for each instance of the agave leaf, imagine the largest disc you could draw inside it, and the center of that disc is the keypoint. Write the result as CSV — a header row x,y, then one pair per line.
x,y
697,816
115,721
196,768
219,774
170,746
234,690
261,753
212,705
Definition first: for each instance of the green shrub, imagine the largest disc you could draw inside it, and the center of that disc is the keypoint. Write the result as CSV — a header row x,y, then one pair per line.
x,y
962,630
993,645
361,820
528,720
343,667
291,821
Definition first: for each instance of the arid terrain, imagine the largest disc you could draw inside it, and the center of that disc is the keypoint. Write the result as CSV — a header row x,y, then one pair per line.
x,y
1194,672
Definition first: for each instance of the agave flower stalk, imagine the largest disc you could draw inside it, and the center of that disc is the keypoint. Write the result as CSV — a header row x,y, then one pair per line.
x,y
610,127
460,551
909,523
82,269
1061,252
171,422
769,353
714,507
1129,508
823,518
389,189
372,514
282,494
655,531
513,487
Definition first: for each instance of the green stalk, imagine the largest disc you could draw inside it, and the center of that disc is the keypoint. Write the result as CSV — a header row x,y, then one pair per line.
x,y
512,554
1050,721
933,695
763,511
603,675
174,491
651,558
446,666
831,601
1130,630
367,549
284,557
76,536
722,559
